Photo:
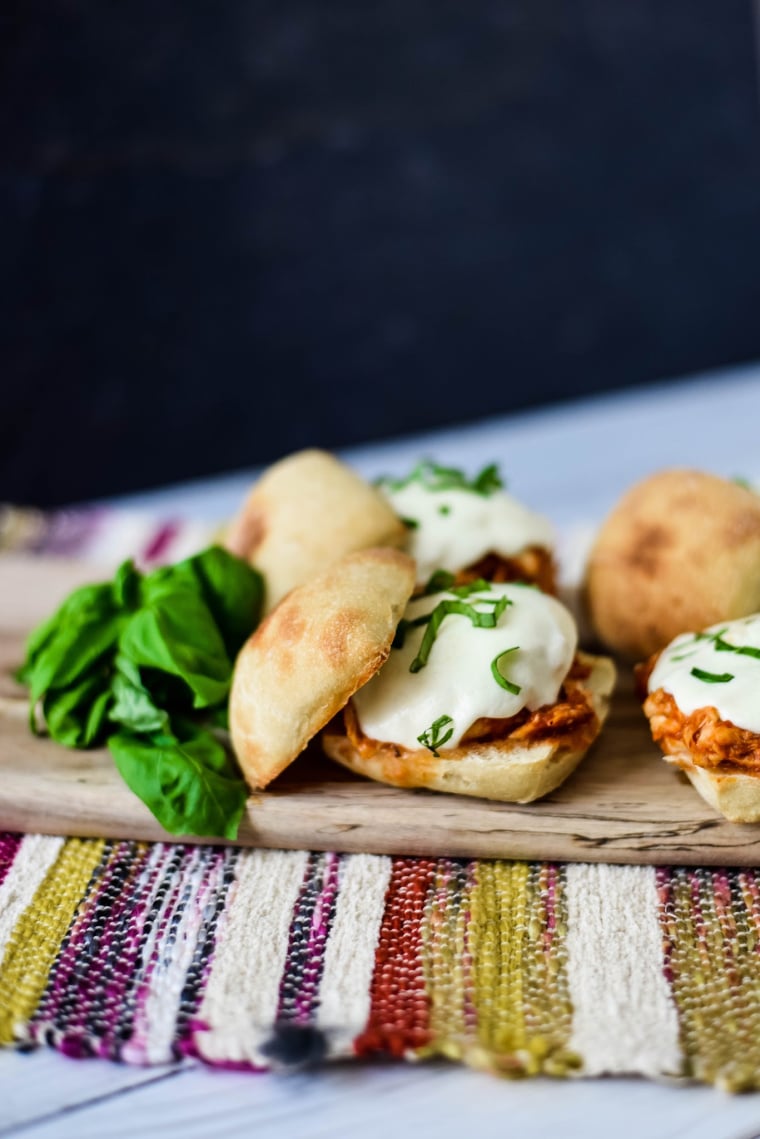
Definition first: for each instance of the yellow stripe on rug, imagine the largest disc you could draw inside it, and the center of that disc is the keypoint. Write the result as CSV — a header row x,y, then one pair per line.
x,y
36,938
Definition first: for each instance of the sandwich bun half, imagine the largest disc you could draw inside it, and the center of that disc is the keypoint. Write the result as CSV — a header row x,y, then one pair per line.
x,y
323,641
304,513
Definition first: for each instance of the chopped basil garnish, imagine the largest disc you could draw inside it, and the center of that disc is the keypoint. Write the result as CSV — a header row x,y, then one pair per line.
x,y
722,646
478,586
712,677
433,738
446,609
488,481
444,509
435,477
499,677
410,523
439,581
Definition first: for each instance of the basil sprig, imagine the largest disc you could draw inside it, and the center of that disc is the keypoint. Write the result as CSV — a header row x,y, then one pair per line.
x,y
144,664
435,477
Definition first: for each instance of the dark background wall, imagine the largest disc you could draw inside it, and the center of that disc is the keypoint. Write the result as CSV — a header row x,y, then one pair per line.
x,y
231,229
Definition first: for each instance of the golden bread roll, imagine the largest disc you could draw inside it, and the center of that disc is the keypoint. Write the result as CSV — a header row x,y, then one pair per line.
x,y
307,658
509,769
304,513
680,551
701,698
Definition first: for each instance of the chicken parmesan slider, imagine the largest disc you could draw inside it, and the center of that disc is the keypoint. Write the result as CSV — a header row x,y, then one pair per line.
x,y
471,527
702,697
483,694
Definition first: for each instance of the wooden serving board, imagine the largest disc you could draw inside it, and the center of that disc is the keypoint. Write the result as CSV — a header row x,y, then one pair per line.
x,y
623,804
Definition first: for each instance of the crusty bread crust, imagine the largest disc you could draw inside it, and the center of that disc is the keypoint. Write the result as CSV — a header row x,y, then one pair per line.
x,y
680,551
507,770
308,657
304,513
735,794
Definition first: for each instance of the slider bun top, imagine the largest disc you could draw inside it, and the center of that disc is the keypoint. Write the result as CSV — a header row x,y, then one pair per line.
x,y
304,513
309,656
680,551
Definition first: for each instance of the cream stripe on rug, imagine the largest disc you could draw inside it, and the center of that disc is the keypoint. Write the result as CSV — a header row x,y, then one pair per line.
x,y
624,1018
33,859
344,993
156,1018
241,999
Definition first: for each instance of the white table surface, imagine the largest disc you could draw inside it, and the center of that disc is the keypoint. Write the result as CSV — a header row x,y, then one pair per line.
x,y
571,462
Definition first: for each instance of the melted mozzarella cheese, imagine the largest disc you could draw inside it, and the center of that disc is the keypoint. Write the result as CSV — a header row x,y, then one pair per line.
x,y
734,690
399,706
456,528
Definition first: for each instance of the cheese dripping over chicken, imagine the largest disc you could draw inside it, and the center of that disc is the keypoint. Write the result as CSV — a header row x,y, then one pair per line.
x,y
454,522
481,650
718,668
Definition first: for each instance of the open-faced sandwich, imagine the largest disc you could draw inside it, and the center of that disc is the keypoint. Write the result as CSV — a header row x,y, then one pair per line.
x,y
702,697
484,694
471,527
477,689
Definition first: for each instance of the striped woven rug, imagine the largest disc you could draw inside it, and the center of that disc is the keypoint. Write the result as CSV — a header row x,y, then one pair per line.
x,y
147,953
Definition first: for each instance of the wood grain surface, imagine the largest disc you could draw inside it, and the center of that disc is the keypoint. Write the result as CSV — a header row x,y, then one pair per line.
x,y
623,804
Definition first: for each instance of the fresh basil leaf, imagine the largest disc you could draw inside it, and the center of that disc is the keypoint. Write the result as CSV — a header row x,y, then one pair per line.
x,y
175,633
218,718
189,784
133,706
88,600
233,591
77,716
79,641
126,586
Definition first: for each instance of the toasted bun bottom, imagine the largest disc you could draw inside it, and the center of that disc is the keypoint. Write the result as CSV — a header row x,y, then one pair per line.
x,y
735,794
510,771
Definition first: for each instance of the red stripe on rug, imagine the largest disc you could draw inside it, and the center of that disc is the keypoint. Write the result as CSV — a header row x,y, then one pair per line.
x,y
399,1017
